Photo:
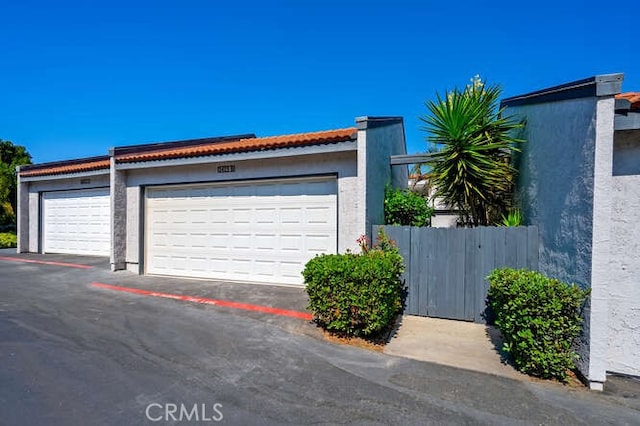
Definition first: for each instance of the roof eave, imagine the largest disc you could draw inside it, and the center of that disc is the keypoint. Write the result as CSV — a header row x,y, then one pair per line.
x,y
68,175
276,146
332,148
366,122
596,86
158,146
53,164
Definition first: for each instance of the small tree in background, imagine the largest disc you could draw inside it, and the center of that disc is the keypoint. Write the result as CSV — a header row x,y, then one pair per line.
x,y
11,156
405,207
471,167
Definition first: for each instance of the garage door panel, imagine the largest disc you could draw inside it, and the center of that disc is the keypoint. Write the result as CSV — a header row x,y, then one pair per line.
x,y
291,215
197,264
265,243
77,222
317,243
317,216
199,241
290,270
291,242
265,268
258,232
242,215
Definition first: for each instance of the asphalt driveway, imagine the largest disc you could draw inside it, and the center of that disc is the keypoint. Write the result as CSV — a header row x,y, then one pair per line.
x,y
75,353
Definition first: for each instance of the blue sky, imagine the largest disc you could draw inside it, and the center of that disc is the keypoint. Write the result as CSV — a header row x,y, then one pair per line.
x,y
78,77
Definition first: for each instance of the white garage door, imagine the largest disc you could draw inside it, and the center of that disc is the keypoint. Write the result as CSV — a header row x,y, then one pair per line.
x,y
77,222
251,231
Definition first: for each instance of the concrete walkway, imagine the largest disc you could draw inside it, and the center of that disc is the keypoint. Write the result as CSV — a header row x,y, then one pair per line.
x,y
454,343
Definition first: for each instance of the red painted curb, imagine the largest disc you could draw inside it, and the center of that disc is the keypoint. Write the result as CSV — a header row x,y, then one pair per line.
x,y
206,301
47,262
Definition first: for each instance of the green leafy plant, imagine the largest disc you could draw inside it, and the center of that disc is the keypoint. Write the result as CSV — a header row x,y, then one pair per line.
x,y
8,240
356,294
514,218
471,165
404,207
7,215
10,156
539,318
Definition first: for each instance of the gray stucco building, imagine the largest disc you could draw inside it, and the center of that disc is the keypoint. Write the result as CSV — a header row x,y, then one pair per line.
x,y
579,183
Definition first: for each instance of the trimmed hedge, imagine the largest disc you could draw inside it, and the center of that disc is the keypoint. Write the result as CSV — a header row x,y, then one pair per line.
x,y
540,318
8,240
356,294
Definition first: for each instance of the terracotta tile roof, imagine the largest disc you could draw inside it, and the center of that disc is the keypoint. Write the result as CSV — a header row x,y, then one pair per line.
x,y
63,168
180,150
243,145
633,97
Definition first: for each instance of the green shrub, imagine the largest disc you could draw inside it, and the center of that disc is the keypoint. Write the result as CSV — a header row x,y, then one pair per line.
x,y
356,294
403,207
8,240
539,318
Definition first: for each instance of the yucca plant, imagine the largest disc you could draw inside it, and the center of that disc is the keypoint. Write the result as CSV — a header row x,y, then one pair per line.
x,y
471,167
514,218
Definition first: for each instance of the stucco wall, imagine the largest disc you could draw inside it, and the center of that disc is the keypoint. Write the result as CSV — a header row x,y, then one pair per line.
x,y
118,217
33,222
598,313
133,230
555,184
33,190
555,189
376,146
342,164
22,217
624,287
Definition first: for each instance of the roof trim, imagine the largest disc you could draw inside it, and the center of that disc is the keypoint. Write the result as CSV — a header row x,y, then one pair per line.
x,y
65,167
131,149
365,122
70,175
596,86
239,157
241,145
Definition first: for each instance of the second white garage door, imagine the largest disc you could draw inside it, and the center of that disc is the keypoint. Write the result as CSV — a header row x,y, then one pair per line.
x,y
262,231
77,222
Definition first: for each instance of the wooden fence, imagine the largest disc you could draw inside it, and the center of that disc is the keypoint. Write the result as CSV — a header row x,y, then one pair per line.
x,y
446,268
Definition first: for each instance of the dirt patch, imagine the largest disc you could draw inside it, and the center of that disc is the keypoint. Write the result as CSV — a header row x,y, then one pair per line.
x,y
354,341
573,381
374,343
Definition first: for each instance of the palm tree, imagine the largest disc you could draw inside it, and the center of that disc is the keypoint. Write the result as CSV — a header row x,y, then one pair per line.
x,y
471,167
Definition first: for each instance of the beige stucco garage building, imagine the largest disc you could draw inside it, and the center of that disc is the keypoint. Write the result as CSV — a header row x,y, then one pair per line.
x,y
235,208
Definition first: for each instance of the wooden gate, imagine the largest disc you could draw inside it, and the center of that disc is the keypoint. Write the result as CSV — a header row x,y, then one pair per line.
x,y
446,268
